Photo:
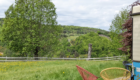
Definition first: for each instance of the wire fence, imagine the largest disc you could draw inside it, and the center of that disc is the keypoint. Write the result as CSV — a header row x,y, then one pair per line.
x,y
6,59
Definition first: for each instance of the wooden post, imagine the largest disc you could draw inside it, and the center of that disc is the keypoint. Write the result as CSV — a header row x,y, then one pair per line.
x,y
89,50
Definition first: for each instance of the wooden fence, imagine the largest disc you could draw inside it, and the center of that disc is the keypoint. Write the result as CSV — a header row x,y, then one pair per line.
x,y
6,59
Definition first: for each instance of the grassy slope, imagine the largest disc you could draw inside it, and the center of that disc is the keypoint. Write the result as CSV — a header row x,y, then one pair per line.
x,y
52,70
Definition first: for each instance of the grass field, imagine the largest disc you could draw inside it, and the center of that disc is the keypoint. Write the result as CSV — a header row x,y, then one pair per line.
x,y
52,70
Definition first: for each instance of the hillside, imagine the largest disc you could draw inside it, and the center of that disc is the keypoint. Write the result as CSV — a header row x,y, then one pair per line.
x,y
77,46
77,30
69,33
70,30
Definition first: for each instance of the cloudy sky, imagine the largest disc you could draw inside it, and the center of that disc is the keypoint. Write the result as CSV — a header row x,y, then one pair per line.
x,y
85,13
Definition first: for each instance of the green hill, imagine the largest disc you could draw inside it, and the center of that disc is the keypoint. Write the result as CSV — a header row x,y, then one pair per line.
x,y
69,36
78,46
77,30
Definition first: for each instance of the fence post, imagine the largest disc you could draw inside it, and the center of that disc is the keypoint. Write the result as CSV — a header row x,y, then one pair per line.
x,y
6,58
89,50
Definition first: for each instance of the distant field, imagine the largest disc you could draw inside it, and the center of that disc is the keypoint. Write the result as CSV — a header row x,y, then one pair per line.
x,y
52,70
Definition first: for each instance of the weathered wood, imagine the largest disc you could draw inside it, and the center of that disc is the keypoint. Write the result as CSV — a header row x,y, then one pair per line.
x,y
89,50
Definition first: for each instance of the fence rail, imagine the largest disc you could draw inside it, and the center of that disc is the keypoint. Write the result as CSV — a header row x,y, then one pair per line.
x,y
6,59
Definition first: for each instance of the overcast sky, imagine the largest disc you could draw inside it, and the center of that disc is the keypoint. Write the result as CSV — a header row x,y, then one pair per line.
x,y
85,13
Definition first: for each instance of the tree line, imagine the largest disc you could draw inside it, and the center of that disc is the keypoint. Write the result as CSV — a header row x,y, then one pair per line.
x,y
70,30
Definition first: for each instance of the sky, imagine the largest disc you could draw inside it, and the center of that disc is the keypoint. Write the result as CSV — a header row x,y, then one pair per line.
x,y
85,13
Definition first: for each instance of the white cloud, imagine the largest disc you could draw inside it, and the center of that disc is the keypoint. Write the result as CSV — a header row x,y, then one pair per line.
x,y
91,13
4,5
88,13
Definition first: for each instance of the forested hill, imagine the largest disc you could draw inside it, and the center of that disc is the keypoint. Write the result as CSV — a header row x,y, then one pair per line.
x,y
72,30
69,43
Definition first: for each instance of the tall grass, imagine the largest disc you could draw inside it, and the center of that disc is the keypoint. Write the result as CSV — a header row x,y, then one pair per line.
x,y
52,70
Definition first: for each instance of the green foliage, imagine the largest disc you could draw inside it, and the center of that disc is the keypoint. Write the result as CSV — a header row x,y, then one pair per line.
x,y
116,26
78,47
1,21
101,46
77,30
117,22
127,58
63,48
116,29
30,26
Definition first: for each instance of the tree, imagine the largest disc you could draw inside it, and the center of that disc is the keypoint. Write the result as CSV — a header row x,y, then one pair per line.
x,y
1,21
127,41
116,28
100,45
30,26
116,25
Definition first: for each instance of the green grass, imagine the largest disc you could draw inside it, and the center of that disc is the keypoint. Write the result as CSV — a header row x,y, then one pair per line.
x,y
52,70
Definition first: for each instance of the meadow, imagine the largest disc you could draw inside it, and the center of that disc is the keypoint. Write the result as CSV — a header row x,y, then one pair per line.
x,y
52,70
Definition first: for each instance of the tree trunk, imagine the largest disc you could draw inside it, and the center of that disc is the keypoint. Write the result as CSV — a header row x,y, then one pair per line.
x,y
36,53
